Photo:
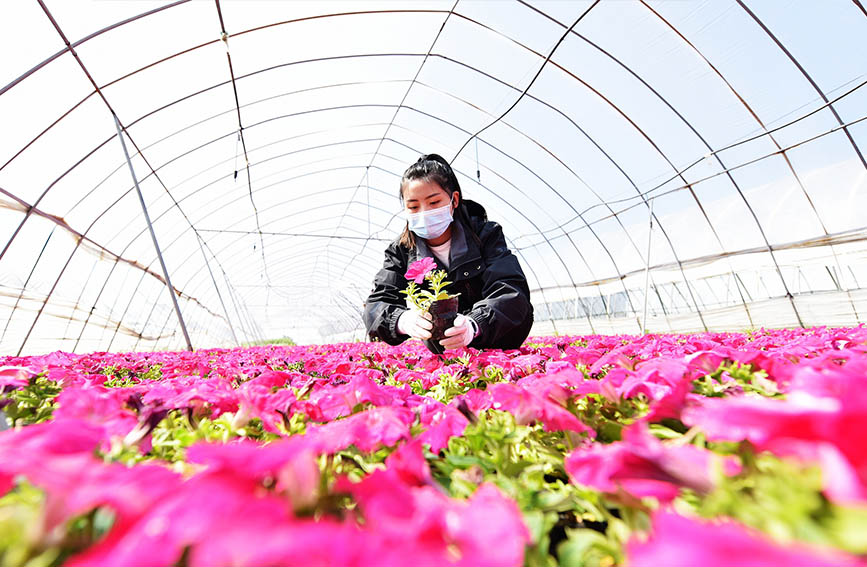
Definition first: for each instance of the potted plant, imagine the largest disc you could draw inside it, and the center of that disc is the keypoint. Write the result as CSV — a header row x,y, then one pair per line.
x,y
441,305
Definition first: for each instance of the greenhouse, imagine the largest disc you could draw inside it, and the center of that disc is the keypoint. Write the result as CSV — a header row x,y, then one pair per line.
x,y
208,209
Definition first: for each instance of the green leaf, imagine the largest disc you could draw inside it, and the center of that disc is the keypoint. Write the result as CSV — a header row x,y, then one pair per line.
x,y
847,528
584,547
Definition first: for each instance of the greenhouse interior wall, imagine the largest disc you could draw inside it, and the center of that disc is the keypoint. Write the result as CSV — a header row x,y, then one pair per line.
x,y
652,170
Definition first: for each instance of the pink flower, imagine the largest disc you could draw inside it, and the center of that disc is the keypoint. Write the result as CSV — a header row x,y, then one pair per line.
x,y
490,531
201,512
419,269
246,458
410,465
442,422
528,407
13,377
419,525
339,401
642,466
820,421
679,541
366,430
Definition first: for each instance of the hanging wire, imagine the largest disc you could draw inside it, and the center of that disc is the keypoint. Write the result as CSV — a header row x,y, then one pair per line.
x,y
393,117
478,167
224,36
530,84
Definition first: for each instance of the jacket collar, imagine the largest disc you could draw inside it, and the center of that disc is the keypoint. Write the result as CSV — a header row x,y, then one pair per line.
x,y
463,251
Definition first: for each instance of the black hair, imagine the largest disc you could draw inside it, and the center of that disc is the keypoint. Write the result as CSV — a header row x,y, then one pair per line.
x,y
434,168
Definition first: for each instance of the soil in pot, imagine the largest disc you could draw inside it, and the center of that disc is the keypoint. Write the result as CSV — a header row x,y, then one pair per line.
x,y
443,313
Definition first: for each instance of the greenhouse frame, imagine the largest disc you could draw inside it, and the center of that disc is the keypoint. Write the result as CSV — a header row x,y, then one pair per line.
x,y
661,166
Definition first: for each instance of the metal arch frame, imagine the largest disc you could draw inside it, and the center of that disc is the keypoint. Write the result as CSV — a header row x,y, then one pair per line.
x,y
701,208
351,255
526,93
643,134
528,264
519,131
695,131
614,263
225,38
690,126
628,236
807,76
770,135
391,122
597,237
446,93
830,107
537,177
252,325
71,49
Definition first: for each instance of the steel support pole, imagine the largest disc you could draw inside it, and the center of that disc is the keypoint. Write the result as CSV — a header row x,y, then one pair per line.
x,y
647,269
153,235
219,295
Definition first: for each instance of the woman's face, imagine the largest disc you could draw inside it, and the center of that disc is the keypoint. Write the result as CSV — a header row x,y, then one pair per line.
x,y
421,195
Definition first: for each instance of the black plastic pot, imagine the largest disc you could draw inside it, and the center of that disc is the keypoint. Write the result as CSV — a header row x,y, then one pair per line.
x,y
443,313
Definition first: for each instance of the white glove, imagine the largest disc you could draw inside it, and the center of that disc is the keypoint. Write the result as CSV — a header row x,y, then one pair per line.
x,y
461,333
416,324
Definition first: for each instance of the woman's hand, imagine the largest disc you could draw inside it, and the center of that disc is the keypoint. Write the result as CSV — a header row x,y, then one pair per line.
x,y
459,335
416,324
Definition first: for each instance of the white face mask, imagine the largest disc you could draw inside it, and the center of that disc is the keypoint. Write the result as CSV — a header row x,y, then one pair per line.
x,y
430,224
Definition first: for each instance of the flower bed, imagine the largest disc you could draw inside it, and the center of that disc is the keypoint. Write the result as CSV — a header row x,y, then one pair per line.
x,y
707,449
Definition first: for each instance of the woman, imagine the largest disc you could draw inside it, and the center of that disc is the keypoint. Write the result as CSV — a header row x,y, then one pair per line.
x,y
494,302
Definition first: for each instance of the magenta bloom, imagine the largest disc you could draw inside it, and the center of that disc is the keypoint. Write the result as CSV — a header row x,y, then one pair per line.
x,y
642,466
13,377
680,541
442,422
820,421
419,525
420,268
366,430
528,407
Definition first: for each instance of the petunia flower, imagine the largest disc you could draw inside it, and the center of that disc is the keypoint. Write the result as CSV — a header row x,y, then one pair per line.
x,y
407,524
366,430
678,541
642,466
529,407
420,268
13,377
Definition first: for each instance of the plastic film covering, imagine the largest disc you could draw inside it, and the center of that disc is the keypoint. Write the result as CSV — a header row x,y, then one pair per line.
x,y
198,174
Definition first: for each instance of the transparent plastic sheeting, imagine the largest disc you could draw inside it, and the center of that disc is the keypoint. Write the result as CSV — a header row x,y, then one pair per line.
x,y
702,161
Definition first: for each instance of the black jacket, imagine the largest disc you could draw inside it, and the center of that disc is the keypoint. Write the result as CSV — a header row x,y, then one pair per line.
x,y
493,289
